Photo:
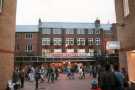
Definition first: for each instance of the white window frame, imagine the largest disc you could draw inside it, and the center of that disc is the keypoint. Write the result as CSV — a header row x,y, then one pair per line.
x,y
91,52
57,41
57,31
46,41
90,31
70,50
46,31
126,7
97,31
57,50
90,41
45,52
97,41
80,41
28,35
28,48
69,31
69,41
80,31
81,50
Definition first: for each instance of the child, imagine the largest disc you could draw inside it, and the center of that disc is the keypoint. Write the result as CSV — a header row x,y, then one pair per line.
x,y
94,84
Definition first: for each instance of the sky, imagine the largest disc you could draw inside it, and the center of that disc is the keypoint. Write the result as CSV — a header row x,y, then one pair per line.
x,y
29,11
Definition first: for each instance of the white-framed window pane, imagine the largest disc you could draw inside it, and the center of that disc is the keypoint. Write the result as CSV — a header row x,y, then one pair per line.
x,y
81,50
70,50
97,31
69,41
57,50
46,41
56,31
126,7
46,31
28,35
90,31
91,52
28,48
45,52
90,41
69,31
97,41
80,31
57,41
80,41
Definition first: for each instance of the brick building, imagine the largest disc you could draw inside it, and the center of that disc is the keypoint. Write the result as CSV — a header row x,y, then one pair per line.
x,y
62,41
27,47
125,14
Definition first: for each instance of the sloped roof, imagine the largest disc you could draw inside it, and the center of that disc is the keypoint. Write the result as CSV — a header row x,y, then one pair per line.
x,y
26,28
73,25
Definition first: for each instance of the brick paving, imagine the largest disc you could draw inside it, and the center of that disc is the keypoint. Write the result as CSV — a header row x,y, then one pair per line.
x,y
62,84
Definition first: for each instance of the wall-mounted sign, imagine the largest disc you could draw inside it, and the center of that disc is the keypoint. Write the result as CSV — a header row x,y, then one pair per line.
x,y
1,5
67,55
113,45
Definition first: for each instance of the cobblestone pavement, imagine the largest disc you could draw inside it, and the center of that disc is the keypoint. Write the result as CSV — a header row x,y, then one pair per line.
x,y
62,84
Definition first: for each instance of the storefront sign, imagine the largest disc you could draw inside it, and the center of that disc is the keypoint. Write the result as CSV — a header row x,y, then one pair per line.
x,y
113,45
66,55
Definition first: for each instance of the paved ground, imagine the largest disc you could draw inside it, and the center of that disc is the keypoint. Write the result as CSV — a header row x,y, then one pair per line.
x,y
62,84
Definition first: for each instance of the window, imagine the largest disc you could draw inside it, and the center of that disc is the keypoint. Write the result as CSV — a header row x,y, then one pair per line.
x,y
69,31
57,41
56,31
28,35
126,7
97,41
46,31
80,41
80,31
17,35
45,41
57,50
90,31
1,5
91,52
90,41
28,48
45,52
81,50
69,41
97,31
70,50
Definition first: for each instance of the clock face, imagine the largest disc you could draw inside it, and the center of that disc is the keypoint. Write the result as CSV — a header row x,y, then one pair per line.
x,y
1,5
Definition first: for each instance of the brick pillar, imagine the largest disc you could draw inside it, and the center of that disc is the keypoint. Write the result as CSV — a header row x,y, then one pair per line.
x,y
7,41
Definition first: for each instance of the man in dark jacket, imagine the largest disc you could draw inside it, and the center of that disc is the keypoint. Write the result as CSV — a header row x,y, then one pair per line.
x,y
107,79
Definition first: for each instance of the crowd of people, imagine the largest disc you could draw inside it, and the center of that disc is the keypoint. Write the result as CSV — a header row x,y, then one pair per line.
x,y
102,77
109,77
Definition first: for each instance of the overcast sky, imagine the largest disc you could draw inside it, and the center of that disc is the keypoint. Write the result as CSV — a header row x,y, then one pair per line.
x,y
29,11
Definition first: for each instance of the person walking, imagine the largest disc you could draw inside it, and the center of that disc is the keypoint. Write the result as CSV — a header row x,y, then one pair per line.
x,y
37,77
107,79
119,78
22,77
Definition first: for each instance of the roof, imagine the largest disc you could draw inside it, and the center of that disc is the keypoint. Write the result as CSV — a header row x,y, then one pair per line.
x,y
73,25
26,28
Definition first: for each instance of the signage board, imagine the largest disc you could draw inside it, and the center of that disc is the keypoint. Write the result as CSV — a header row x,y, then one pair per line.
x,y
66,55
113,45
